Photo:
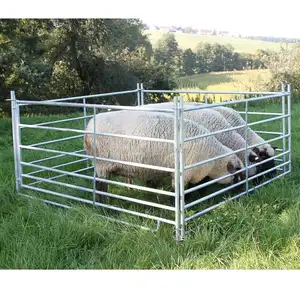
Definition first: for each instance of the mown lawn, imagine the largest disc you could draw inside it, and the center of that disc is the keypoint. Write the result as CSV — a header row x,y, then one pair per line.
x,y
257,232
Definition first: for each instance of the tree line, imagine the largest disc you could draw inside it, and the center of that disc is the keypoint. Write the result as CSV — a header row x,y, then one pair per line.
x,y
52,58
205,58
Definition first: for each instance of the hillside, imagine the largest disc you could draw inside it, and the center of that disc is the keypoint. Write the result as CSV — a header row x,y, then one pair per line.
x,y
186,40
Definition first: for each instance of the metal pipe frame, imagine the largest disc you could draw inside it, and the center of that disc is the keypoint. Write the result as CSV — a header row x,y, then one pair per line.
x,y
59,176
100,158
236,127
232,186
102,216
66,120
132,137
232,198
99,204
195,188
138,95
208,92
283,125
290,126
178,142
67,173
130,199
15,113
233,152
177,170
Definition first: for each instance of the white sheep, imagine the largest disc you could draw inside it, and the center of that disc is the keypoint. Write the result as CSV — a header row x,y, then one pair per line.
x,y
235,119
156,125
214,121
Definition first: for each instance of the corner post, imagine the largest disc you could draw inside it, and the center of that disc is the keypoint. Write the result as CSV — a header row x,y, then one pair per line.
x,y
15,116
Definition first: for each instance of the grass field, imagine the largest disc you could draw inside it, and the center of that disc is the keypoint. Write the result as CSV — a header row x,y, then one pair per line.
x,y
256,232
186,40
224,81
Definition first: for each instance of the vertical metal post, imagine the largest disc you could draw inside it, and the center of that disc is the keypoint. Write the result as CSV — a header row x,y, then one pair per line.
x,y
142,93
138,94
15,114
283,88
246,146
95,160
205,98
177,170
85,121
84,113
181,167
289,126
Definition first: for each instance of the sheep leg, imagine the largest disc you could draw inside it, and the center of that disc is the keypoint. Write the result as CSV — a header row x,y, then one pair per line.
x,y
102,187
128,179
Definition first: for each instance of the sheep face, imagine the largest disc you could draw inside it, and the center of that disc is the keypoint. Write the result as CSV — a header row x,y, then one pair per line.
x,y
263,155
229,165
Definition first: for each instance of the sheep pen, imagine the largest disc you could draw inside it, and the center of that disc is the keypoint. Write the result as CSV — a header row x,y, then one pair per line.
x,y
56,169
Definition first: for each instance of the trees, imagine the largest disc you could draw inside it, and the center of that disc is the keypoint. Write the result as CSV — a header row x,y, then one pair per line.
x,y
168,55
188,62
46,58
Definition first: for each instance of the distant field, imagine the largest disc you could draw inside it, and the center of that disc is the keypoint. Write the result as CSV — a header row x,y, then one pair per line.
x,y
240,45
223,81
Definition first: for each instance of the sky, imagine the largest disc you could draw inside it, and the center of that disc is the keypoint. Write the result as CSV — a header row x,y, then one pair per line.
x,y
251,17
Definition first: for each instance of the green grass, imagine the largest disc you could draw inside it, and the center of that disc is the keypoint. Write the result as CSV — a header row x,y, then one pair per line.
x,y
256,232
186,40
224,81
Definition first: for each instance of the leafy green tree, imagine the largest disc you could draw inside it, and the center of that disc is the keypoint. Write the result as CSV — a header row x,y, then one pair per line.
x,y
46,58
167,54
189,62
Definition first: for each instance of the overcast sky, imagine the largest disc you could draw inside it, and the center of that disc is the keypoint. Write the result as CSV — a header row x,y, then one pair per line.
x,y
251,17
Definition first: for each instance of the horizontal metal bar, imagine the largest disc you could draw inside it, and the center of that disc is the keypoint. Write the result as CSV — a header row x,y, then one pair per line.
x,y
98,204
46,201
64,120
207,209
59,166
203,106
98,215
267,132
260,113
93,96
102,106
59,176
232,198
193,189
152,167
57,140
232,152
268,120
52,157
134,137
213,133
129,199
233,128
232,186
213,92
147,189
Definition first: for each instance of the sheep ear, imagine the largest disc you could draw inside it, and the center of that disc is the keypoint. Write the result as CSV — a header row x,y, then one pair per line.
x,y
256,150
253,157
274,148
230,167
